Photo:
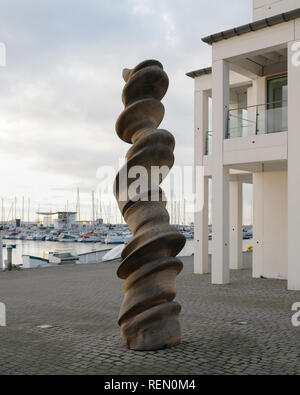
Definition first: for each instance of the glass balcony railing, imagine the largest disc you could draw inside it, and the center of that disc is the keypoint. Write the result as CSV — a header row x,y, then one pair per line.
x,y
208,144
260,119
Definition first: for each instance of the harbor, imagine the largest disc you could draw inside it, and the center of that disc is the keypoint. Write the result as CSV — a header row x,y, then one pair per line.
x,y
40,248
61,234
37,241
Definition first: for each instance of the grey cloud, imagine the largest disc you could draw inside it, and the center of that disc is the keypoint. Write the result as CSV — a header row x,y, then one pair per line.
x,y
61,90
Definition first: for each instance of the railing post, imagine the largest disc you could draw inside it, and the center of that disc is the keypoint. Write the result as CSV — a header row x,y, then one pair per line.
x,y
227,135
1,249
9,259
256,126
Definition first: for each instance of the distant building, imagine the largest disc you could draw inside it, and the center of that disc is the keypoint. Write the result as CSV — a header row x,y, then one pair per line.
x,y
251,94
59,220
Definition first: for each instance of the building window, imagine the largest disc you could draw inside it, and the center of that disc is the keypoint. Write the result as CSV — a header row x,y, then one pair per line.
x,y
277,115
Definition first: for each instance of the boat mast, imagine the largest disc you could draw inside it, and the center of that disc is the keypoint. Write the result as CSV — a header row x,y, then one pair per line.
x,y
100,206
78,204
93,206
28,208
15,209
172,207
179,213
97,208
11,211
23,209
3,214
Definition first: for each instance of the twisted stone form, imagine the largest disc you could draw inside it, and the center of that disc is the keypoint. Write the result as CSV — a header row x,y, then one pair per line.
x,y
149,315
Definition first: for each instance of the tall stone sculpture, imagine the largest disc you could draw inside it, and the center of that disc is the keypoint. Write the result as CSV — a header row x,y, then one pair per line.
x,y
148,316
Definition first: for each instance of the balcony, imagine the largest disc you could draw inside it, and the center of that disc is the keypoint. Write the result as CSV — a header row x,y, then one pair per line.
x,y
253,121
258,120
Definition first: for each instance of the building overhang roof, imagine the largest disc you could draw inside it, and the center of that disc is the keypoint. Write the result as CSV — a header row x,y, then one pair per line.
x,y
199,73
252,27
238,31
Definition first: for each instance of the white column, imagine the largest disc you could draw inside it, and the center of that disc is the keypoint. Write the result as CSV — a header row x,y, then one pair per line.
x,y
293,169
201,125
201,216
236,225
201,264
220,176
258,225
257,94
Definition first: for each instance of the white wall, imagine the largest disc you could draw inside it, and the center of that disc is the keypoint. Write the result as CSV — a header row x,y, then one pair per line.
x,y
294,171
253,149
266,8
270,225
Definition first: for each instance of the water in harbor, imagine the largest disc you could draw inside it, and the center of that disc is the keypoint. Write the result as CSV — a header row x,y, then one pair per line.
x,y
38,248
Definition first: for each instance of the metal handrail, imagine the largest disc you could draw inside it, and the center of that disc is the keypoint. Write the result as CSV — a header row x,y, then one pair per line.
x,y
257,105
250,122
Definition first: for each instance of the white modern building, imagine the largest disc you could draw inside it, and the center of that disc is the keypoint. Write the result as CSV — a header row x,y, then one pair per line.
x,y
251,98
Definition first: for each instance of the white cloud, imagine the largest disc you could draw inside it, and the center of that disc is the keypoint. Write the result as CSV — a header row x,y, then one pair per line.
x,y
170,35
142,7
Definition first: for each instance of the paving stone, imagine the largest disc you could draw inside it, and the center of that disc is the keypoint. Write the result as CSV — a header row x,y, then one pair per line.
x,y
82,303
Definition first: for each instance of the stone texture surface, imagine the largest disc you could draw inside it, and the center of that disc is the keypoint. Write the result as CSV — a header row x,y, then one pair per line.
x,y
82,303
149,315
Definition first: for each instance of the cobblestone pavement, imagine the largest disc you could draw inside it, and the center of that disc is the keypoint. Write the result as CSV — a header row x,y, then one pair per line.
x,y
81,303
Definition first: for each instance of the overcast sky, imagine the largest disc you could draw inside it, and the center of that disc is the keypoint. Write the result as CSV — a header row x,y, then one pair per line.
x,y
60,92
